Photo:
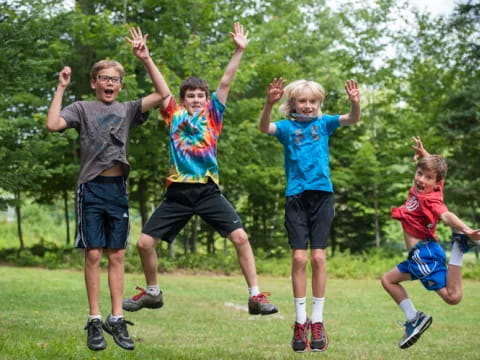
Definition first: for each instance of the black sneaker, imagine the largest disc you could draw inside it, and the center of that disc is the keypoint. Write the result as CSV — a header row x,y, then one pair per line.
x,y
143,300
259,305
300,337
118,329
95,339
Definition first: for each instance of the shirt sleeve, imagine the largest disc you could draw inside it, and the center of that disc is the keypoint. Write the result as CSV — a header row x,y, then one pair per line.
x,y
168,111
72,114
281,130
135,113
332,122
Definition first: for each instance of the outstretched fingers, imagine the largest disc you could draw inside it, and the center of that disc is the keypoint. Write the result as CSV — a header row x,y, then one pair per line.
x,y
275,90
239,36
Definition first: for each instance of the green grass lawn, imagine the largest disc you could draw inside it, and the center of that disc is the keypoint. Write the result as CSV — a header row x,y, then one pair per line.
x,y
204,317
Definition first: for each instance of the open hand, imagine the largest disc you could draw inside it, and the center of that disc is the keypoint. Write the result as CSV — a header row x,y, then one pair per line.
x,y
139,43
351,87
420,151
275,90
239,36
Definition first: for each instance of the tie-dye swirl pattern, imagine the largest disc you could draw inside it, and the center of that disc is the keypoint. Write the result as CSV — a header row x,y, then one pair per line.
x,y
193,141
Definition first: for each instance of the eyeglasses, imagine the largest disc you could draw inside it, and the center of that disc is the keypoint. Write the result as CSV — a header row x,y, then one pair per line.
x,y
105,79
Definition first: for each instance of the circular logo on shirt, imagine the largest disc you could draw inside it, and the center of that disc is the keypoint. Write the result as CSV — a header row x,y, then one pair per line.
x,y
412,203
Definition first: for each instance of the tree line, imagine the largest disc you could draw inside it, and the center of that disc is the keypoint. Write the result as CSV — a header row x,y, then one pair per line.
x,y
419,76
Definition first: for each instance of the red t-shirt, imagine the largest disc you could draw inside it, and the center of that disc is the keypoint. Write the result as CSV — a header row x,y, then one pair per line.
x,y
421,212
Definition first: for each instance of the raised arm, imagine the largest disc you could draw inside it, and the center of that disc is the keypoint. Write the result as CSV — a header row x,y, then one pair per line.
x,y
140,49
420,151
274,94
351,87
458,225
240,40
54,121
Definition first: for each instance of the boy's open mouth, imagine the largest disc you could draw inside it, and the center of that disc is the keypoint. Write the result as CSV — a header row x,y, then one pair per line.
x,y
109,92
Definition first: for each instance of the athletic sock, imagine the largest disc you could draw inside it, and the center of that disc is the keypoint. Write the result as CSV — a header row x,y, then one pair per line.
x,y
91,317
456,257
253,291
113,318
300,310
317,309
408,309
153,290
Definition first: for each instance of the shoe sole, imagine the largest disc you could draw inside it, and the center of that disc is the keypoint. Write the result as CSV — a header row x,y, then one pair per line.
x,y
155,306
115,339
262,313
415,337
98,348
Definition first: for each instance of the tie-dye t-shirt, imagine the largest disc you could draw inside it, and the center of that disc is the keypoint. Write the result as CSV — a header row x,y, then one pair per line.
x,y
193,141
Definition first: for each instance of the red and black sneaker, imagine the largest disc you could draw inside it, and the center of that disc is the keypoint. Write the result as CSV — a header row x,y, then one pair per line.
x,y
143,300
319,340
259,305
300,336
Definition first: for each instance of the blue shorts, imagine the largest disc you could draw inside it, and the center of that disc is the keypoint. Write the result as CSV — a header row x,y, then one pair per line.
x,y
427,263
103,219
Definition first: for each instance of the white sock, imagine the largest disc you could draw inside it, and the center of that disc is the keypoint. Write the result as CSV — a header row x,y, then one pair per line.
x,y
91,317
300,310
153,290
113,318
317,309
408,309
253,291
456,257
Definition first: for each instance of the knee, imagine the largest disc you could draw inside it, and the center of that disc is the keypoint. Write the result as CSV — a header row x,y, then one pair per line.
x,y
145,243
239,238
454,299
384,280
319,260
116,257
93,256
299,260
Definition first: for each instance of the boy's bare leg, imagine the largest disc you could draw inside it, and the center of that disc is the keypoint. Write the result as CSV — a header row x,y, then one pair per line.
x,y
391,283
92,278
244,251
299,276
116,275
146,248
319,272
452,293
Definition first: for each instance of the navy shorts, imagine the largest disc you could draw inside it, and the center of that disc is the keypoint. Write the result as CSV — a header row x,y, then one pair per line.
x,y
182,201
103,219
426,262
308,218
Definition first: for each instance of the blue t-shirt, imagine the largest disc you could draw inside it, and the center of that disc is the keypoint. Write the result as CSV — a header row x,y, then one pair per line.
x,y
306,152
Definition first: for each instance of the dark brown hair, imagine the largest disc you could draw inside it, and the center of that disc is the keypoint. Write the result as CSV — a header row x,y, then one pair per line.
x,y
192,83
434,163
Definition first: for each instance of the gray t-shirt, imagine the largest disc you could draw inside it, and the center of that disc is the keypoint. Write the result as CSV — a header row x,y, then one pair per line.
x,y
103,130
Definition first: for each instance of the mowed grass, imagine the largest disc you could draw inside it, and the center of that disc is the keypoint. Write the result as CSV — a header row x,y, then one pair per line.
x,y
204,317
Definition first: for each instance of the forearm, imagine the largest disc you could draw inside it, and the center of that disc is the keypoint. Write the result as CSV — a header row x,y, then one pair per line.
x,y
54,121
228,75
454,221
353,116
158,80
265,118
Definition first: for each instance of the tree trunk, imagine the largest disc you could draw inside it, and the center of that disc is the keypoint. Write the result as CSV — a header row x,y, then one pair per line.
x,y
67,220
18,212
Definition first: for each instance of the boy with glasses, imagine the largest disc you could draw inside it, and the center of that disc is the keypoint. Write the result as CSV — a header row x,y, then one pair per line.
x,y
103,213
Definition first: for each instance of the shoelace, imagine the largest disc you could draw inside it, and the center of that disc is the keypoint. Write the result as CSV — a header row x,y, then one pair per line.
x,y
121,326
299,331
94,327
262,297
317,330
139,295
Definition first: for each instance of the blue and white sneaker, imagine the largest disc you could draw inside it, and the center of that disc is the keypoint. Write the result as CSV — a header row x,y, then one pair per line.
x,y
414,329
464,242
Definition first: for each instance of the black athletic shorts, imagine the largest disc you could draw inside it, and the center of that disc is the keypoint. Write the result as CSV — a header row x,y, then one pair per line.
x,y
103,220
182,201
308,218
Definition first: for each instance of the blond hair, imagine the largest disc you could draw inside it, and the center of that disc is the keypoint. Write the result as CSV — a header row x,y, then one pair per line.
x,y
294,89
106,64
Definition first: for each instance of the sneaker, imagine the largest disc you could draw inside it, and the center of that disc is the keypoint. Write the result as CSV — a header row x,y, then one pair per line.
x,y
259,305
300,336
95,339
118,329
464,242
319,339
143,300
414,329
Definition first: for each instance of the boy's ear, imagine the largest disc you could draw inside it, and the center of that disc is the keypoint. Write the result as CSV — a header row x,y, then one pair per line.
x,y
92,84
